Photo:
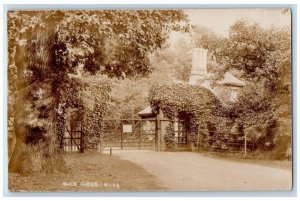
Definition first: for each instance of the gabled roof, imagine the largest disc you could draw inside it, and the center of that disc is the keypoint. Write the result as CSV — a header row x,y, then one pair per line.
x,y
231,80
146,112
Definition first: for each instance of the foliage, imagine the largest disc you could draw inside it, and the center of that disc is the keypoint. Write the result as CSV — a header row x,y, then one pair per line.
x,y
89,97
127,98
254,110
94,95
207,39
264,105
176,59
252,51
169,137
53,47
115,43
191,104
184,101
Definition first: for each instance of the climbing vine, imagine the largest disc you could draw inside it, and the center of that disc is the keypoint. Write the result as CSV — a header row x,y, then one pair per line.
x,y
169,138
95,96
88,96
190,104
184,101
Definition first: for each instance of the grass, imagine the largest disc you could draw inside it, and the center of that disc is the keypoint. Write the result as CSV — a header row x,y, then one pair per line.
x,y
252,158
89,172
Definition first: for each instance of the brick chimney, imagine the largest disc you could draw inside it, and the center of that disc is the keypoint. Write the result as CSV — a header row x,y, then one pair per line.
x,y
199,69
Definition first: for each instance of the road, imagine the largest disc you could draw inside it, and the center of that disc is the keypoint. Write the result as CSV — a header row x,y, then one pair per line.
x,y
187,171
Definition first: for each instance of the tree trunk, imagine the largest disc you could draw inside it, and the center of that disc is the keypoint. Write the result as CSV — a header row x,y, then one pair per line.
x,y
36,148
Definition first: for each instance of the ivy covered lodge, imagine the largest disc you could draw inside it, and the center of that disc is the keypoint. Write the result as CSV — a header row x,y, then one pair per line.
x,y
223,92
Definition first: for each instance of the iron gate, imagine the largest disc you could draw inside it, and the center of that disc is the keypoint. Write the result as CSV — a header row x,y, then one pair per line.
x,y
129,134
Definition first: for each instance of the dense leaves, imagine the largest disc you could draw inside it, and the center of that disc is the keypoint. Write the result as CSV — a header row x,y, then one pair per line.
x,y
89,98
95,95
252,51
263,58
117,43
62,49
192,105
60,43
184,101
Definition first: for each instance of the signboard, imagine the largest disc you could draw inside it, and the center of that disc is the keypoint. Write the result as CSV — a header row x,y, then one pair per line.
x,y
127,128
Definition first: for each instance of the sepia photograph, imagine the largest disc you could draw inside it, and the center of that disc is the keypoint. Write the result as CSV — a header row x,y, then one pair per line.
x,y
149,100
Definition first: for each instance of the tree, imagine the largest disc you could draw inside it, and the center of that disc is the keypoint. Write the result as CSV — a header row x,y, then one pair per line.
x,y
262,57
175,59
53,48
252,51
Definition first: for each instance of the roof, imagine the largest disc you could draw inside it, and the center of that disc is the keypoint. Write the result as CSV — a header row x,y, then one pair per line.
x,y
146,112
231,80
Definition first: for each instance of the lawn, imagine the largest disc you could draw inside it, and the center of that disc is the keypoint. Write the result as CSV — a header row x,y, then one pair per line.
x,y
89,172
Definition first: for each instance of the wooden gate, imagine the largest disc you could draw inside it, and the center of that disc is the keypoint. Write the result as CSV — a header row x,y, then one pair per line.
x,y
128,134
181,138
73,138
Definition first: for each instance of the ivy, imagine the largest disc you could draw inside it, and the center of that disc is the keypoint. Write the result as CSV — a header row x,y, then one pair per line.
x,y
94,97
89,96
169,138
184,101
190,104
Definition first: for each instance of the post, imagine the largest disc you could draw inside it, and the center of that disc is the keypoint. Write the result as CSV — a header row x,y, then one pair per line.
x,y
156,135
189,139
121,135
159,118
245,145
176,127
198,132
81,137
110,151
140,135
71,140
99,147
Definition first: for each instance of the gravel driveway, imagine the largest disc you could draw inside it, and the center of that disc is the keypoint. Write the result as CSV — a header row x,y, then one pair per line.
x,y
187,171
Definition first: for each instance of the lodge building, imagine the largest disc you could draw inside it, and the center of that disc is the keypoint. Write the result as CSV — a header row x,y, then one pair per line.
x,y
226,90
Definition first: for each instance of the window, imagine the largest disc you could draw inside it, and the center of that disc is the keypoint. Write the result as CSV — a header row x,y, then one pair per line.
x,y
233,95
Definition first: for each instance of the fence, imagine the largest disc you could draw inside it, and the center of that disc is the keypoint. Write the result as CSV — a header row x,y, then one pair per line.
x,y
223,142
150,134
128,134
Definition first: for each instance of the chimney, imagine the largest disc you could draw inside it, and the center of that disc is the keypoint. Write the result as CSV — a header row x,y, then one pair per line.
x,y
199,69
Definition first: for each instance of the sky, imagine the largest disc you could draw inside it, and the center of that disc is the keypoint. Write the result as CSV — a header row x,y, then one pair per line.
x,y
219,20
